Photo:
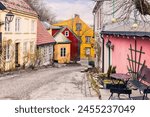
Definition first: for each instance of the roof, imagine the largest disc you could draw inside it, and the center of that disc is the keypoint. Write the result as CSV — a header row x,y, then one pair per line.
x,y
2,7
43,36
61,38
61,29
97,6
46,25
56,27
18,5
70,31
127,33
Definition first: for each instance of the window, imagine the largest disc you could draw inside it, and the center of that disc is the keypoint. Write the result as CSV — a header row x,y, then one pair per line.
x,y
50,49
63,52
88,38
26,26
17,24
25,48
7,52
31,47
33,26
45,53
78,26
88,51
67,33
7,27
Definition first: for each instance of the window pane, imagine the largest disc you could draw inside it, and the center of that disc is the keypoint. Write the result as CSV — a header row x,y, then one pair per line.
x,y
61,52
7,52
88,39
78,26
64,51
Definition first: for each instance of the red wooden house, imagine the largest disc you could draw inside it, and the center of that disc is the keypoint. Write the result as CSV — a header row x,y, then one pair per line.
x,y
75,41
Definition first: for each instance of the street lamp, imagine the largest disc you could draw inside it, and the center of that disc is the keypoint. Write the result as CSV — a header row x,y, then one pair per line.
x,y
8,18
108,44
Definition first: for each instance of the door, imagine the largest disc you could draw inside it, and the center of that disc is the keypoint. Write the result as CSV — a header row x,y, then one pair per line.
x,y
17,54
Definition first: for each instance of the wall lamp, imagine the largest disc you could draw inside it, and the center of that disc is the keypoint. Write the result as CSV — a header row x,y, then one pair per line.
x,y
108,44
8,18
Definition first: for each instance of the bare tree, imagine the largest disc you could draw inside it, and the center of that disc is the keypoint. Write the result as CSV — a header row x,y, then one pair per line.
x,y
125,8
43,10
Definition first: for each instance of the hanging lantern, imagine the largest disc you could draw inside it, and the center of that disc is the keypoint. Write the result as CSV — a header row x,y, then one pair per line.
x,y
135,24
9,17
114,20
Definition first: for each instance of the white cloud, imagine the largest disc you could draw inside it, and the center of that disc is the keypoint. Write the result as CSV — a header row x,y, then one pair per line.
x,y
66,10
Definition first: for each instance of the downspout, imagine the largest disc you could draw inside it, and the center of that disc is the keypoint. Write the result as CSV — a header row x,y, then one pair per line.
x,y
93,25
103,52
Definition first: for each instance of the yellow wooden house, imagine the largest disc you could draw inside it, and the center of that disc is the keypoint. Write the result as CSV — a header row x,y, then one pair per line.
x,y
62,48
84,32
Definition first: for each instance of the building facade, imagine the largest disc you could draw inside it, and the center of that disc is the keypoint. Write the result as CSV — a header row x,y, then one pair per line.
x,y
115,36
62,48
75,42
19,36
120,52
84,32
45,45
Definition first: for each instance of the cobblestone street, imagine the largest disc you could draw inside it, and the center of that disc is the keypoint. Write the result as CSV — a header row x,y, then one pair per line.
x,y
48,83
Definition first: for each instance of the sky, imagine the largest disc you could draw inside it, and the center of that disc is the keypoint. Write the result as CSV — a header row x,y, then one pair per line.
x,y
65,9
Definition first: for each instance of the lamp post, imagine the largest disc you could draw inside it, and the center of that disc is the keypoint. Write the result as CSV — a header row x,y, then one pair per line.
x,y
108,44
8,18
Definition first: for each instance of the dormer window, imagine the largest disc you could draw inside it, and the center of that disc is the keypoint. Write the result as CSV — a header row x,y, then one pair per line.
x,y
67,33
78,26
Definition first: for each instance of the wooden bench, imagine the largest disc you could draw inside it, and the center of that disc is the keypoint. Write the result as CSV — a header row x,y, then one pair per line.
x,y
143,81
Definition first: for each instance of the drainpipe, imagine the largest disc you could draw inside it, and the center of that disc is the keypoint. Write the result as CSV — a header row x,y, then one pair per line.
x,y
103,52
93,25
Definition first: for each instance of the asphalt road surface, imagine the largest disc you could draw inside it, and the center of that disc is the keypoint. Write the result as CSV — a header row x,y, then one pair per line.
x,y
65,83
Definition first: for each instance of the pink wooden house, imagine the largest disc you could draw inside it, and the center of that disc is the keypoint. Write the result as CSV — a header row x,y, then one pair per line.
x,y
116,44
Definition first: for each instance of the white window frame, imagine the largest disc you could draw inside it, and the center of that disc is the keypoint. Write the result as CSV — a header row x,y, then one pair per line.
x,y
63,52
27,26
18,24
8,27
67,33
25,44
33,26
8,52
88,39
87,51
31,47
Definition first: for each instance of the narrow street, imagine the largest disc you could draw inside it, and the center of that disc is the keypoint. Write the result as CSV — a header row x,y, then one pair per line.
x,y
46,84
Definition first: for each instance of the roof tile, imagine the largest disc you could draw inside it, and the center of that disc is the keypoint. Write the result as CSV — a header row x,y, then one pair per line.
x,y
43,36
19,5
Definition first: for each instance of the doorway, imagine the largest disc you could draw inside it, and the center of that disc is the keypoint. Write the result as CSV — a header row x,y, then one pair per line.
x,y
17,55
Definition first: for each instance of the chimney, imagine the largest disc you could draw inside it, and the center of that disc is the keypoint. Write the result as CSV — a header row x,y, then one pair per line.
x,y
76,15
